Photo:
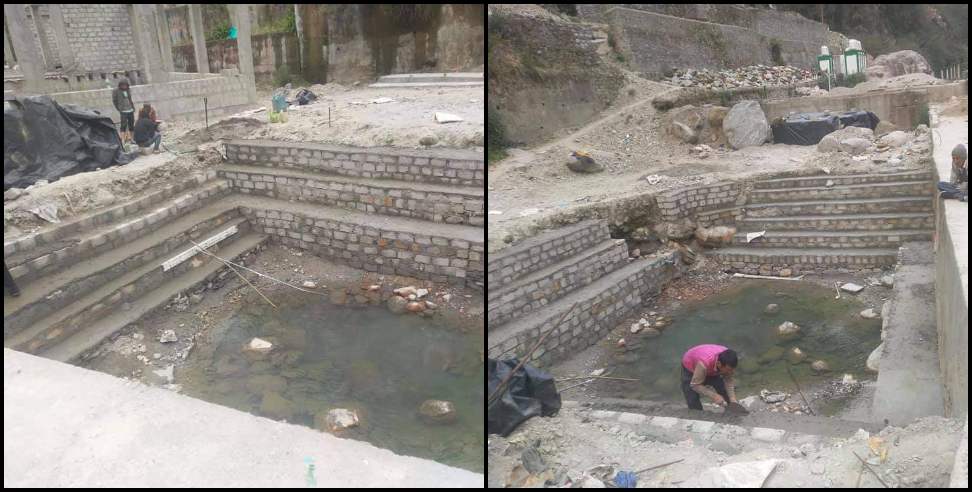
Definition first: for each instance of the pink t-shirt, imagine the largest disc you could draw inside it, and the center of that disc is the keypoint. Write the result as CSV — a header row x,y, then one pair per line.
x,y
708,354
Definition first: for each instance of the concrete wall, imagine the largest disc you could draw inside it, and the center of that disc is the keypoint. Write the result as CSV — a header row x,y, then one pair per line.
x,y
270,51
952,275
654,43
100,35
179,99
901,107
432,166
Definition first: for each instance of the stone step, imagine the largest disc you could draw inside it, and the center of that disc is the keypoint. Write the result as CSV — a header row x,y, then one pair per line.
x,y
111,296
433,77
848,222
555,281
53,292
840,192
544,249
443,166
748,259
32,257
600,306
676,416
847,179
72,348
434,202
833,239
418,85
376,243
841,207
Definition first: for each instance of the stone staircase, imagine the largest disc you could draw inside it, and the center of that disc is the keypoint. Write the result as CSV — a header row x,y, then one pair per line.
x,y
533,284
457,79
84,279
823,222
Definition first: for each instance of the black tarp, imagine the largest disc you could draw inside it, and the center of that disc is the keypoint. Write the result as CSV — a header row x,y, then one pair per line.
x,y
46,140
809,128
530,392
804,128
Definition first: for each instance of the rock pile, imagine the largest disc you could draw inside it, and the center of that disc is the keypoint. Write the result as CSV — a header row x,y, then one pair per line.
x,y
751,76
898,63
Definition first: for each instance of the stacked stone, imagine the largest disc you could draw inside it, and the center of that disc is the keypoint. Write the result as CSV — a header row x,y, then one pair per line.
x,y
752,76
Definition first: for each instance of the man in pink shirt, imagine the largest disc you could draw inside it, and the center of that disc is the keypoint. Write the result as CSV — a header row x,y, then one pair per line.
x,y
708,365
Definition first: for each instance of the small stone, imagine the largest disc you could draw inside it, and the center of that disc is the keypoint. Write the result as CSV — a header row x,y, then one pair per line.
x,y
597,372
138,336
795,355
869,313
772,309
636,253
820,366
635,327
412,297
852,288
651,333
438,412
430,305
848,379
156,355
397,304
874,359
862,435
168,336
337,420
415,307
788,330
405,291
428,140
621,343
374,288
195,298
887,281
309,284
420,293
447,297
786,272
829,183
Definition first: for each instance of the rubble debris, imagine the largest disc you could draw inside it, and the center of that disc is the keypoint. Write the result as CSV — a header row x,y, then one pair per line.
x,y
773,396
46,211
869,313
851,287
751,76
168,336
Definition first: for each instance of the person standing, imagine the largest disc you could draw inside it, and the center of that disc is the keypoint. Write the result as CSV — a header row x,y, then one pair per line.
x,y
122,99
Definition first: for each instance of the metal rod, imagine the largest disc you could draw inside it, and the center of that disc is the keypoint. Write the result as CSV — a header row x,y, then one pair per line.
x,y
328,116
206,106
576,385
870,470
502,385
659,466
809,409
598,377
769,277
236,272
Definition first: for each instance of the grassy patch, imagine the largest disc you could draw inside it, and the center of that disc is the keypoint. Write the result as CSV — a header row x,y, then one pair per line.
x,y
496,141
776,52
923,114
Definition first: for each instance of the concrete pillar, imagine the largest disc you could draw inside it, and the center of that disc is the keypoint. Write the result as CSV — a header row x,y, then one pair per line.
x,y
28,57
165,39
64,50
198,37
147,42
240,13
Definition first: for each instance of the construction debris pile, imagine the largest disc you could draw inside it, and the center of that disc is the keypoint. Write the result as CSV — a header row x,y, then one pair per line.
x,y
752,76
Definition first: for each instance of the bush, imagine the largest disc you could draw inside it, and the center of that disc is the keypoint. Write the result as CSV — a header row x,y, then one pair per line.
x,y
219,32
852,80
724,98
923,114
776,52
496,142
282,76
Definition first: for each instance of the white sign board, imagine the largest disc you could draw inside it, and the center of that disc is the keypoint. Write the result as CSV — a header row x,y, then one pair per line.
x,y
189,253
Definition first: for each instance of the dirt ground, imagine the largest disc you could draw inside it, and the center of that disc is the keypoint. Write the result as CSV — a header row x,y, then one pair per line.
x,y
629,140
572,445
131,353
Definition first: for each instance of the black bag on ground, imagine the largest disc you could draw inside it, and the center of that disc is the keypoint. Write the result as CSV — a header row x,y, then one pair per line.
x,y
46,140
804,128
529,393
305,96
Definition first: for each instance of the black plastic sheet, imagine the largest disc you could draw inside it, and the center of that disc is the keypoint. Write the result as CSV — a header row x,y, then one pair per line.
x,y
863,119
45,140
804,128
530,392
305,96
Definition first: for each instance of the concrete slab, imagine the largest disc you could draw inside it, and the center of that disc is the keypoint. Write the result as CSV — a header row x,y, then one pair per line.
x,y
64,426
909,384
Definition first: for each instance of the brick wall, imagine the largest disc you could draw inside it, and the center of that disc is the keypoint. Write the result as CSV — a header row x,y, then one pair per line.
x,y
535,292
423,256
367,196
686,202
593,318
433,166
51,56
540,251
100,35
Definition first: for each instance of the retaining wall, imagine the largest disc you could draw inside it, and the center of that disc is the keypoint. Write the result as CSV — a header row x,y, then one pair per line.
x,y
433,166
432,257
901,107
593,318
540,251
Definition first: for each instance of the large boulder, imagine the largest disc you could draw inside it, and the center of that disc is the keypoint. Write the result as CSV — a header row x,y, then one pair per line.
x,y
787,331
894,139
715,236
684,133
746,125
898,63
692,124
854,146
582,162
874,360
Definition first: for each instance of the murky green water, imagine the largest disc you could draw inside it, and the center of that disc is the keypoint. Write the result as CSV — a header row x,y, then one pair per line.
x,y
832,330
368,359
